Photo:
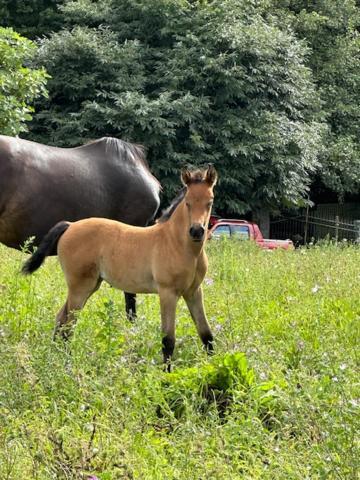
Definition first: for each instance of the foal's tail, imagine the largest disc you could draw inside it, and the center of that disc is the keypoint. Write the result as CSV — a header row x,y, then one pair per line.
x,y
47,247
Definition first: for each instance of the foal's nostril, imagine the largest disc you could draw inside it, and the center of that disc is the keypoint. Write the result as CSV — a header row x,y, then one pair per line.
x,y
197,232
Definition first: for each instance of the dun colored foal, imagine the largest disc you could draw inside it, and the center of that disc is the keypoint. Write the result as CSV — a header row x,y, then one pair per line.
x,y
167,258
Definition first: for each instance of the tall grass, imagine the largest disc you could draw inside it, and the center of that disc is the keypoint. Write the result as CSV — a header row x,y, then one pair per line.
x,y
279,400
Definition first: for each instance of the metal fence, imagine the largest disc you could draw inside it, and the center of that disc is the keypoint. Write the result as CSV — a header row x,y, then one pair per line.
x,y
312,225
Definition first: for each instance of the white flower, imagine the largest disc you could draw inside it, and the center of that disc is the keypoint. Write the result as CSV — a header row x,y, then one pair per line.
x,y
315,288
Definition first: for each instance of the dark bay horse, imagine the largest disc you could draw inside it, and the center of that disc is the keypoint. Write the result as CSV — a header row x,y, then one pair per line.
x,y
42,185
167,258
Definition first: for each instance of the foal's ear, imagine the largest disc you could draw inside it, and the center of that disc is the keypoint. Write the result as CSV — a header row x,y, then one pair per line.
x,y
211,176
185,176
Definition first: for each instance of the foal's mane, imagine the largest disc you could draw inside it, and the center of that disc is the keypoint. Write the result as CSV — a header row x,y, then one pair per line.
x,y
197,176
166,214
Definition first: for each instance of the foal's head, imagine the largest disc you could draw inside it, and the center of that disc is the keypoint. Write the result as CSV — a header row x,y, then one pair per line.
x,y
198,199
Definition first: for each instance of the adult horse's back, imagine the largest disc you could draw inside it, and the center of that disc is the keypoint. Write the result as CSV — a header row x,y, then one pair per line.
x,y
42,185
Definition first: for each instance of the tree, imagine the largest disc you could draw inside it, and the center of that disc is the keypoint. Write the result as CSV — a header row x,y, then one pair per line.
x,y
331,30
195,82
32,18
19,84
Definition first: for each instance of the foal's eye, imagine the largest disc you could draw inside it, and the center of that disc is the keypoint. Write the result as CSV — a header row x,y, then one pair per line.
x,y
188,204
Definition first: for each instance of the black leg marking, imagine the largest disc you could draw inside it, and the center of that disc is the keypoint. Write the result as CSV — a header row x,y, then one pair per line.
x,y
208,341
168,350
130,305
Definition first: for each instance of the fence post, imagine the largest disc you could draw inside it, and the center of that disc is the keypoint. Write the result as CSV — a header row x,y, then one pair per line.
x,y
337,228
357,230
306,223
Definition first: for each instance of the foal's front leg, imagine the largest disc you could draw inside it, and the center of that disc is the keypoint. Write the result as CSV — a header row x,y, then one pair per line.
x,y
195,303
168,300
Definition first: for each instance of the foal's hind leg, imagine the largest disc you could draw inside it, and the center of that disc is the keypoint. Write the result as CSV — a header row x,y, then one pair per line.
x,y
194,301
77,297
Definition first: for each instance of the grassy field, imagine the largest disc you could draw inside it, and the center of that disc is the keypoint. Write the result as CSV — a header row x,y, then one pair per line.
x,y
279,400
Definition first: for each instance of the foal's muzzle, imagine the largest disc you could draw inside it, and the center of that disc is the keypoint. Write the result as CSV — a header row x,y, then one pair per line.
x,y
197,232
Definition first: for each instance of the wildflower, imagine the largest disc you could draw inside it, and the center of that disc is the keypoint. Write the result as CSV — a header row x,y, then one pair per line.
x,y
315,288
209,281
300,345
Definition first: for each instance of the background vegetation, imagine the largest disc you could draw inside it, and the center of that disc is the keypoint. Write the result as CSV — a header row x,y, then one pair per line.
x,y
19,85
279,400
266,89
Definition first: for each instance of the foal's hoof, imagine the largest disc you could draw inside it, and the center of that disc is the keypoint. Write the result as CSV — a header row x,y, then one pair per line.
x,y
208,342
167,367
62,333
209,347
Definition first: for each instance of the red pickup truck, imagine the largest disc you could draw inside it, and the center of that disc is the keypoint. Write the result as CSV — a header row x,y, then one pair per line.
x,y
244,230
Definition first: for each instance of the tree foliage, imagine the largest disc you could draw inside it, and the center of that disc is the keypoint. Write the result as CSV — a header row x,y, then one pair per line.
x,y
32,18
194,81
331,29
19,84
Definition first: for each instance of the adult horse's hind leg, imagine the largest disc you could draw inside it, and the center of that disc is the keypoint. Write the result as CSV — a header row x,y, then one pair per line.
x,y
194,301
77,297
130,305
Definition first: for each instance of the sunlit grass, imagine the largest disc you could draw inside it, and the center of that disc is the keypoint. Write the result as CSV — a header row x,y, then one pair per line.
x,y
102,405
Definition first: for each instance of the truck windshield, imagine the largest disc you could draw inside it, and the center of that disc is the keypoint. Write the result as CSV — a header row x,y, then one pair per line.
x,y
240,231
221,231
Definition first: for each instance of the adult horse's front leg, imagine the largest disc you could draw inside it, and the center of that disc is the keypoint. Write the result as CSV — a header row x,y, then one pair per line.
x,y
130,306
168,300
195,303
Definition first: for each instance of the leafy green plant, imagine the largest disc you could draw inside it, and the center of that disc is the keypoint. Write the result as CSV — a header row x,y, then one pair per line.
x,y
223,381
20,85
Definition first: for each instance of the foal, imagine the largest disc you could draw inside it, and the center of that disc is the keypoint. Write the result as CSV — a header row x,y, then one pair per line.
x,y
167,258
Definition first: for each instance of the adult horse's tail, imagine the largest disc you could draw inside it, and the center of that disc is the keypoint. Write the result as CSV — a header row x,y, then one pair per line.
x,y
47,247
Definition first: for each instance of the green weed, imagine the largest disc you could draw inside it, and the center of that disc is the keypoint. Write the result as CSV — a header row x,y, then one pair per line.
x,y
278,400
